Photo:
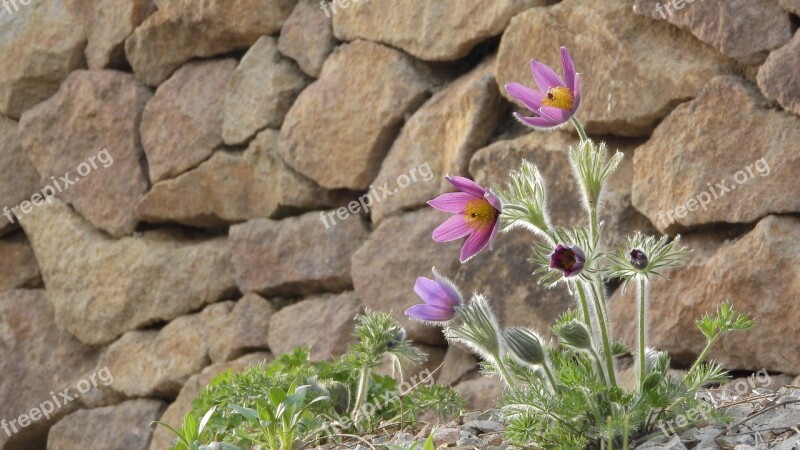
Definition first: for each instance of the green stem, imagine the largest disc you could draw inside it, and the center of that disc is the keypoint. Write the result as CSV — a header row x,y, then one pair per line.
x,y
579,127
504,373
603,325
584,307
703,354
642,324
549,374
361,395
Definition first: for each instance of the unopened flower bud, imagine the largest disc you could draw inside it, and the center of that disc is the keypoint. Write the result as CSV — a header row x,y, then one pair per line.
x,y
638,259
574,334
525,345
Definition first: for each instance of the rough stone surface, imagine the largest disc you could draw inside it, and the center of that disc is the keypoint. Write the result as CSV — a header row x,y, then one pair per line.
x,y
93,111
435,31
18,176
260,92
183,29
743,272
674,169
39,358
307,37
402,246
792,6
439,139
122,427
162,437
182,124
330,136
42,42
109,24
481,393
458,363
778,78
168,357
18,267
101,288
504,274
331,318
746,30
233,187
274,258
628,84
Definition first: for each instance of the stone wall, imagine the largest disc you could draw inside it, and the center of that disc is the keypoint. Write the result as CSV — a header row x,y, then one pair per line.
x,y
181,173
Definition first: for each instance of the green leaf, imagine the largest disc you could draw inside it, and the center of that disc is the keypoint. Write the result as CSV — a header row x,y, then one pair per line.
x,y
205,420
276,396
429,443
250,414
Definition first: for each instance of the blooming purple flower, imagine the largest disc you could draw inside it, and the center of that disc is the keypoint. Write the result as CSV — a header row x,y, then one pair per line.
x,y
441,298
568,260
476,213
557,99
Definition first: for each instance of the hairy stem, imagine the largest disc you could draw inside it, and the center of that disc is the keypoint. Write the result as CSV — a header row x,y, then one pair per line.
x,y
579,127
642,325
599,305
584,307
363,389
504,373
703,354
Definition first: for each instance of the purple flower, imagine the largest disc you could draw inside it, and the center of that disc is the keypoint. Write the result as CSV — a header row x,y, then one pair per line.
x,y
556,101
568,260
638,259
440,296
476,213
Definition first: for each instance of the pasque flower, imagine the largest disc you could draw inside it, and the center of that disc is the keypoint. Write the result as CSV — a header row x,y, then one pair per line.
x,y
441,298
476,213
556,99
568,260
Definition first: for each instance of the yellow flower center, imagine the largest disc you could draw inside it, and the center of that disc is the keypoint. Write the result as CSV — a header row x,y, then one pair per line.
x,y
560,97
479,214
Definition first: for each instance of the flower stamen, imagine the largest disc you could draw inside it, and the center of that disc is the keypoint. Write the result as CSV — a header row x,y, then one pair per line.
x,y
560,97
479,214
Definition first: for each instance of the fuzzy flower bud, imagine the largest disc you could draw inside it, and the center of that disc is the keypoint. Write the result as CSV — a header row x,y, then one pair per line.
x,y
525,345
574,334
638,259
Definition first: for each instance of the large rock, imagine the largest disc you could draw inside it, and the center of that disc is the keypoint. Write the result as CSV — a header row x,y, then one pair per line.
x,y
504,275
778,77
38,358
42,43
387,265
695,175
233,187
88,133
101,288
458,362
183,29
307,37
443,30
18,267
18,176
628,84
331,318
757,273
109,23
162,437
481,393
182,125
439,139
275,258
743,29
792,6
158,362
366,85
260,93
121,427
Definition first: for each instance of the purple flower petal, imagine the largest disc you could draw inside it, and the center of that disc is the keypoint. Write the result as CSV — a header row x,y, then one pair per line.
x,y
557,116
545,77
569,68
536,122
430,313
451,229
466,185
430,292
454,202
577,93
495,229
453,295
531,98
475,243
494,201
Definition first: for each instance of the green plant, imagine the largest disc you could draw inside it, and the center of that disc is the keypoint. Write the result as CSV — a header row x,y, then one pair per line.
x,y
293,402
